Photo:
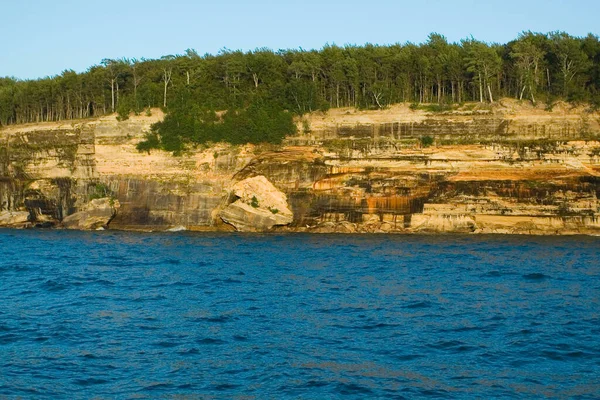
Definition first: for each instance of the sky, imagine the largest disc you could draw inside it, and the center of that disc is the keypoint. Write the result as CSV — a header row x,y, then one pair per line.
x,y
43,38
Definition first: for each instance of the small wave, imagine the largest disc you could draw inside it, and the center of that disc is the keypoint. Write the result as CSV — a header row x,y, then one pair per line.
x,y
166,344
553,355
148,328
191,351
463,329
408,357
434,393
182,284
465,348
417,305
577,354
537,276
211,341
447,345
328,310
8,338
104,282
185,386
228,280
492,274
534,381
352,389
225,386
565,355
90,381
236,371
526,331
158,386
53,286
18,268
221,319
315,384
380,325
149,298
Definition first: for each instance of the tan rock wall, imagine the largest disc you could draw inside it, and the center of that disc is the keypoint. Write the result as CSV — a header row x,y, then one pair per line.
x,y
509,169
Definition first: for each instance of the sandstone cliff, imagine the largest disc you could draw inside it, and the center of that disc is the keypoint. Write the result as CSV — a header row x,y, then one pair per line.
x,y
511,168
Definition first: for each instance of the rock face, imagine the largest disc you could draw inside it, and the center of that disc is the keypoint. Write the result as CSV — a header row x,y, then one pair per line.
x,y
508,168
443,218
14,218
259,206
97,214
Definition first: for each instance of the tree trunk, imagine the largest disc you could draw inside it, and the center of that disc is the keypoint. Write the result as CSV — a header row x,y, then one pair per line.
x,y
166,78
376,96
480,89
112,93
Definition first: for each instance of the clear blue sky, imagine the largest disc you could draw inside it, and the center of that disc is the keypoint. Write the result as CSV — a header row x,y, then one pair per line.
x,y
41,37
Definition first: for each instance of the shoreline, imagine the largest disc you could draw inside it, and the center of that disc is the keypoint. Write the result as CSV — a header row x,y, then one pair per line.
x,y
301,232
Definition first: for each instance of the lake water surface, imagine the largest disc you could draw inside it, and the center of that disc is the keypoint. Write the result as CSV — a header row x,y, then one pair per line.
x,y
130,315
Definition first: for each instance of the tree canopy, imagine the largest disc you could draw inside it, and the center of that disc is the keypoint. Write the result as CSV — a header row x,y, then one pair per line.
x,y
264,83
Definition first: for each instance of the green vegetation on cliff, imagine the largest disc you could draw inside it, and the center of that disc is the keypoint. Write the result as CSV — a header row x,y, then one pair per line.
x,y
261,121
261,85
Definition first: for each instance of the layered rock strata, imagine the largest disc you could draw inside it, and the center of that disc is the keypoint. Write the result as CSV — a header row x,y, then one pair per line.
x,y
508,169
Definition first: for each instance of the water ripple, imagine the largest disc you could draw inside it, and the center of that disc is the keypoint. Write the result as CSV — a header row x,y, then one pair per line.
x,y
127,315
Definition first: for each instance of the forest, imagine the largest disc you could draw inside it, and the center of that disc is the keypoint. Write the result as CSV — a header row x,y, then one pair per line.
x,y
252,96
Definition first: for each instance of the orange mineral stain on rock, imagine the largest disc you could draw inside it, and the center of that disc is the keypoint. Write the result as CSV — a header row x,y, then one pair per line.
x,y
506,168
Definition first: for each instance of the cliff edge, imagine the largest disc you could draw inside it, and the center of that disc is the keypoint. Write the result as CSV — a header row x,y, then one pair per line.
x,y
510,168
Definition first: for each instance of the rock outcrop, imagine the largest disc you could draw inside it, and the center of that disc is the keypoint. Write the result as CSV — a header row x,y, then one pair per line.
x,y
443,218
507,168
14,219
97,214
258,206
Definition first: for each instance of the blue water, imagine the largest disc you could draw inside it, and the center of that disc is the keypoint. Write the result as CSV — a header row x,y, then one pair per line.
x,y
129,315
